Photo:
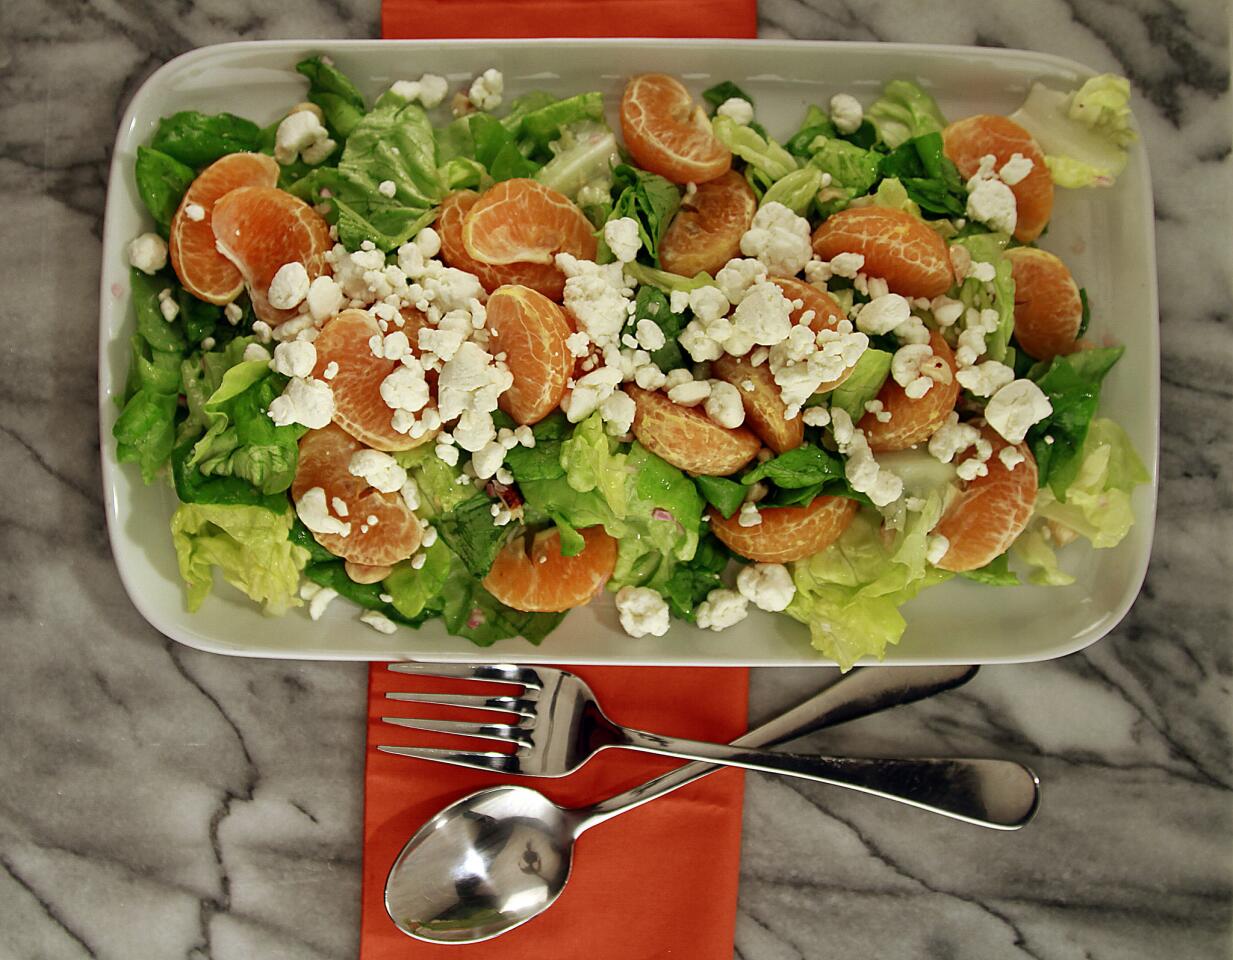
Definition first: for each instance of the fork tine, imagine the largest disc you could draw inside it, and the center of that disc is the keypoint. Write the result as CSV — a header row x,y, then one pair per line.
x,y
506,733
525,706
500,762
493,672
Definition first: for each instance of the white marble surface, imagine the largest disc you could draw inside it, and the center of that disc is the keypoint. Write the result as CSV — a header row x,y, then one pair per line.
x,y
157,803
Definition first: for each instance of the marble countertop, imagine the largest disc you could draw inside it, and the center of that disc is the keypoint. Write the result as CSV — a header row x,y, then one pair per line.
x,y
157,802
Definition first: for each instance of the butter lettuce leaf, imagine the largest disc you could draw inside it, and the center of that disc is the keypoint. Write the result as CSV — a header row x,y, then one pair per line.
x,y
849,594
249,544
903,111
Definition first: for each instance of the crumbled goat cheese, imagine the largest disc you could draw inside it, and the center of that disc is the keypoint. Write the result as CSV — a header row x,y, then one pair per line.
x,y
779,239
622,238
768,586
737,109
846,113
295,359
305,401
486,90
643,612
721,609
289,286
302,136
1015,408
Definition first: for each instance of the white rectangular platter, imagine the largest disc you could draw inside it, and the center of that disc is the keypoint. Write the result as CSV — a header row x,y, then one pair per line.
x,y
1105,236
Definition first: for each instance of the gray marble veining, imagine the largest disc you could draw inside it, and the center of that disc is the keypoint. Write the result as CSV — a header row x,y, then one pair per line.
x,y
156,802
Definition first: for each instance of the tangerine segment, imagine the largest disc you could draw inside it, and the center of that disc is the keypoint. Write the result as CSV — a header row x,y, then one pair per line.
x,y
992,510
205,272
541,277
787,533
764,408
531,574
706,231
523,221
687,438
358,405
897,247
260,229
667,133
1048,309
325,458
914,421
531,331
966,141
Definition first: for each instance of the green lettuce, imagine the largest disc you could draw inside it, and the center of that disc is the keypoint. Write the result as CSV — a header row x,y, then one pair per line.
x,y
987,248
162,181
904,111
249,544
723,494
197,139
665,281
692,580
472,612
581,167
1037,554
796,191
1072,384
650,200
816,124
765,156
395,143
863,383
853,171
497,151
240,439
1097,504
412,592
1084,134
339,99
650,303
928,176
849,594
548,122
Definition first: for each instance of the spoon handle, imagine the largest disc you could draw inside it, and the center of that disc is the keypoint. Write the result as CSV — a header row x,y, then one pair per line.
x,y
859,693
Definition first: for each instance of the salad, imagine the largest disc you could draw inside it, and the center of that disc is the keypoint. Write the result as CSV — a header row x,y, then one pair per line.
x,y
450,355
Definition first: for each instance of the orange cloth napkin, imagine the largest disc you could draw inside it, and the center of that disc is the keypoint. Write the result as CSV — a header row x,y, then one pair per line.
x,y
660,881
414,19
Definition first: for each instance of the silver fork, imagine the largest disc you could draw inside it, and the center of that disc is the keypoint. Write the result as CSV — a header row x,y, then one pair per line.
x,y
557,725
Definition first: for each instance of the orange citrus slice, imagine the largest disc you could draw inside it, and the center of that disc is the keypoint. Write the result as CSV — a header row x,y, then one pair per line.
x,y
913,421
260,229
325,458
523,221
531,574
531,331
205,272
786,533
706,231
1048,310
967,140
667,133
687,438
897,247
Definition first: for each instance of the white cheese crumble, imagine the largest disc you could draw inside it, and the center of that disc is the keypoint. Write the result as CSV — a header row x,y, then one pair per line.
x,y
1015,408
256,352
294,359
378,470
985,379
195,212
305,401
778,239
724,405
313,513
737,109
749,515
622,238
378,621
862,470
736,277
721,609
936,548
486,90
643,612
767,586
992,203
325,298
302,136
289,286
429,90
1015,169
952,438
846,113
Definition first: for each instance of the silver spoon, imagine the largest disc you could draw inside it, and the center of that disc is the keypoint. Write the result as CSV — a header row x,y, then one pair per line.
x,y
500,857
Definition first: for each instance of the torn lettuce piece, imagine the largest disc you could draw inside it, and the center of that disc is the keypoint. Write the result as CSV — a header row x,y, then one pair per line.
x,y
249,544
339,99
581,167
796,191
927,175
413,592
852,169
1084,134
987,248
763,154
649,200
197,139
1097,501
863,383
162,181
497,151
903,111
395,143
1037,554
1072,384
849,594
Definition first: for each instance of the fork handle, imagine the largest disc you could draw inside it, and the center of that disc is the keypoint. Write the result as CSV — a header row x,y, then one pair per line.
x,y
993,793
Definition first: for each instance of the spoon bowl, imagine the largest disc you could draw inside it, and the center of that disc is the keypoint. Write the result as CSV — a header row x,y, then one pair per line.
x,y
482,866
